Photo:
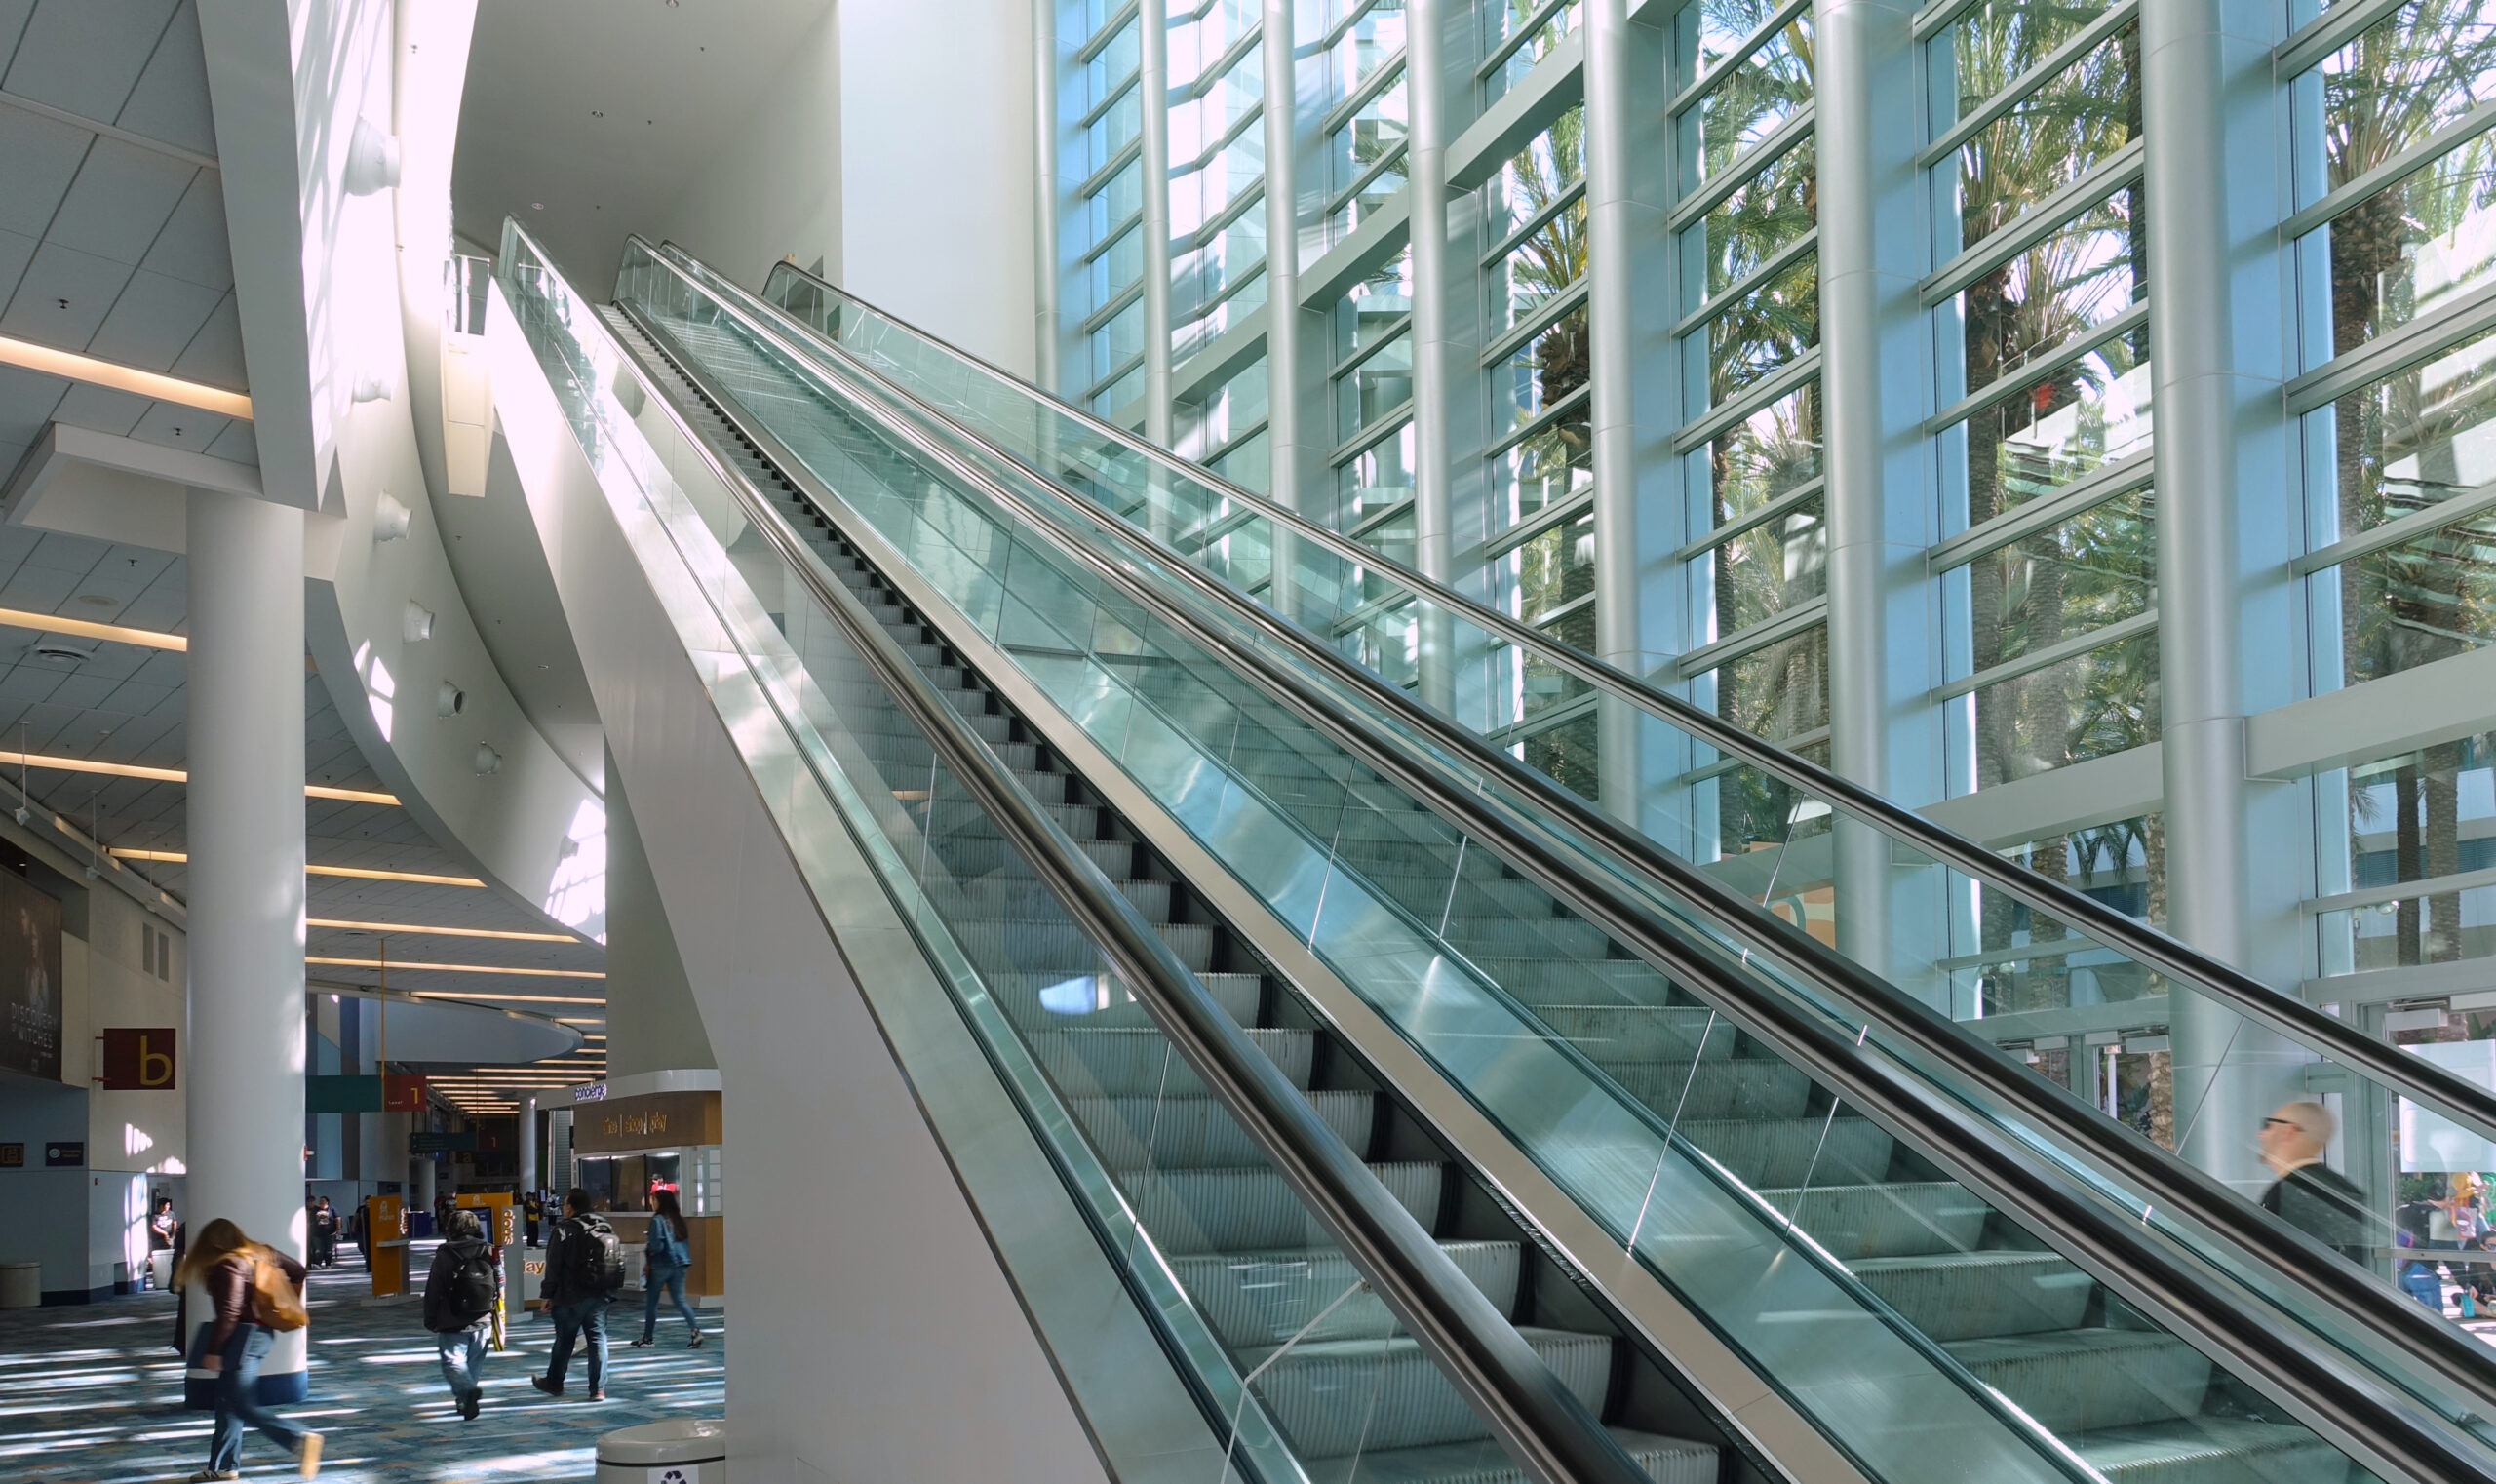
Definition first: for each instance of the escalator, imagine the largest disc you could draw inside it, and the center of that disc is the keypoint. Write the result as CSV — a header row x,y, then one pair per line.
x,y
1692,1179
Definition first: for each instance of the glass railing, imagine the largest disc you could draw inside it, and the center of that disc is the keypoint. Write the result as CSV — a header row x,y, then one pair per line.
x,y
1925,1329
2183,1055
1300,1371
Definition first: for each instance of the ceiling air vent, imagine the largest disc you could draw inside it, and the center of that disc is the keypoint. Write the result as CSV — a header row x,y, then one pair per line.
x,y
61,651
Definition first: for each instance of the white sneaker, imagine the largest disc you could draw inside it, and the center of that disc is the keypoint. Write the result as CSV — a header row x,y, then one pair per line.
x,y
307,1457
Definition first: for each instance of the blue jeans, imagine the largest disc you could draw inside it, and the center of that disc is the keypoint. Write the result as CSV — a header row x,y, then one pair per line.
x,y
671,1279
463,1356
571,1320
236,1407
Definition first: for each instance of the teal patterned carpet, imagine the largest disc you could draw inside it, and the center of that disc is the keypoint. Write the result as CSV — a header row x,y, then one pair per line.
x,y
94,1394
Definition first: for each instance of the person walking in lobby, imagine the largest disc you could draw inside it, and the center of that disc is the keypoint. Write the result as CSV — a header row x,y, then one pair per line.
x,y
459,1308
665,1254
584,1266
255,1291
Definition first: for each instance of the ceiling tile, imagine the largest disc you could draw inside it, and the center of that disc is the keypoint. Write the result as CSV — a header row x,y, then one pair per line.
x,y
153,321
63,296
27,401
100,407
120,200
17,250
11,454
238,443
214,356
171,100
173,425
85,55
38,159
192,245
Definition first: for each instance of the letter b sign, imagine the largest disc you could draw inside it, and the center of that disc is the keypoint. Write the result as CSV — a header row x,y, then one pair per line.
x,y
138,1060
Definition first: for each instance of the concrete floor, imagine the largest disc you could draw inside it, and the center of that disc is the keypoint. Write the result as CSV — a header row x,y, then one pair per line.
x,y
94,1394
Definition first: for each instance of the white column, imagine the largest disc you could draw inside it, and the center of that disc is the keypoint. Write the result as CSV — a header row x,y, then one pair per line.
x,y
1880,513
1440,373
245,820
1045,186
527,1142
1152,105
1296,345
2227,507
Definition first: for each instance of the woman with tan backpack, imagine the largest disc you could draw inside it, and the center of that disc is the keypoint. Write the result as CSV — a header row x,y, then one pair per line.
x,y
255,1291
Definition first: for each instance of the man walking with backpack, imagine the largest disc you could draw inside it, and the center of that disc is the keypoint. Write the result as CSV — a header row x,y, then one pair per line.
x,y
584,1266
459,1308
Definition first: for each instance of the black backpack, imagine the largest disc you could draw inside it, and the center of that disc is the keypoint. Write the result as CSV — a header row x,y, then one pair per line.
x,y
593,1259
471,1290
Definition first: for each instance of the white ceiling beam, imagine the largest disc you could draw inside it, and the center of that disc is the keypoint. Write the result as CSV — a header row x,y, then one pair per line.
x,y
114,131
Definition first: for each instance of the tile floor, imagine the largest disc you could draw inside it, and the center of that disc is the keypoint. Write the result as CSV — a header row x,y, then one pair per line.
x,y
93,1394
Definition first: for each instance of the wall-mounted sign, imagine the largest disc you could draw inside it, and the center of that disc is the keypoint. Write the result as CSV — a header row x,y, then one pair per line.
x,y
60,1156
138,1060
440,1144
13,1157
29,979
403,1092
649,1121
589,1092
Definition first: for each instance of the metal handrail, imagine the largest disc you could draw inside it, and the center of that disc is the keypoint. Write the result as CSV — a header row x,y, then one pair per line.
x,y
1542,1422
2188,1299
2408,1076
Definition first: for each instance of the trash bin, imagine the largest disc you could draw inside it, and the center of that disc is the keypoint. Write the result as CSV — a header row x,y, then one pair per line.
x,y
681,1450
20,1285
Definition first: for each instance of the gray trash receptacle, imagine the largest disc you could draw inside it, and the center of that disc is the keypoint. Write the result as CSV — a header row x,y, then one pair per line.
x,y
20,1285
681,1450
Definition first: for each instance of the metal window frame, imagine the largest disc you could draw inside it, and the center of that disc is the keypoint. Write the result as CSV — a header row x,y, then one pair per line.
x,y
1099,41
2117,632
1570,195
1744,287
2026,85
1223,62
1110,309
1402,151
1228,136
1744,168
2398,891
1522,534
1700,432
1111,238
1116,374
1540,422
1099,181
2417,157
2390,354
1369,524
1737,57
1744,524
1790,623
1388,335
2326,33
1342,29
1386,75
2030,373
1224,450
2108,482
1248,198
1549,312
1935,19
2399,533
1551,616
1116,96
1386,424
1531,27
2119,171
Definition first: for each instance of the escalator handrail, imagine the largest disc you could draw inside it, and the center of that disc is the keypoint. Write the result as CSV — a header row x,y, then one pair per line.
x,y
1515,1391
2292,1361
2408,1076
2173,1184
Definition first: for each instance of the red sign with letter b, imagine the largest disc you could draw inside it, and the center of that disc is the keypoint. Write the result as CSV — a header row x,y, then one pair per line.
x,y
138,1060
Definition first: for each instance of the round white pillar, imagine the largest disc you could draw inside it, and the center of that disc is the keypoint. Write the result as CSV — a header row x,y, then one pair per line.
x,y
528,1143
245,820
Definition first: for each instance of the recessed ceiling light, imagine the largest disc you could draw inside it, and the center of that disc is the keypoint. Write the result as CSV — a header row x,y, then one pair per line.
x,y
537,206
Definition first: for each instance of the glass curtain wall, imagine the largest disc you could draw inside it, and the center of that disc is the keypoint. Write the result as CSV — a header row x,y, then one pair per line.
x,y
1216,171
1108,242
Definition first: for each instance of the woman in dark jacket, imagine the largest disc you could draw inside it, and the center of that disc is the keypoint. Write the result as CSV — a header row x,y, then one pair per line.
x,y
223,1262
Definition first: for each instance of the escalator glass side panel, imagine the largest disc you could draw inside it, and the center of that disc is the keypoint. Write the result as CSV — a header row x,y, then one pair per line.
x,y
2043,988
1922,1331
2043,991
1302,1372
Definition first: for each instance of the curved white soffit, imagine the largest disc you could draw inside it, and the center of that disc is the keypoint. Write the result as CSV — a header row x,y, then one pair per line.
x,y
455,1031
524,820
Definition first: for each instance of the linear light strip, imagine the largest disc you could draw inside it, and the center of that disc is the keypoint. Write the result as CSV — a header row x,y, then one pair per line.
x,y
54,623
422,929
124,378
460,968
354,873
59,764
535,1000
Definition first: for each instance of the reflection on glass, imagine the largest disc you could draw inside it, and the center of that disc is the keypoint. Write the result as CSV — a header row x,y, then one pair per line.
x,y
2411,247
2087,706
2410,74
1761,217
1500,18
1765,331
2054,135
2080,275
2096,568
1765,456
1778,692
2067,425
1759,96
1553,255
2424,815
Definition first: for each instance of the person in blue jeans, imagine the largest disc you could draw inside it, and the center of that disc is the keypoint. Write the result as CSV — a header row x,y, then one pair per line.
x,y
665,1254
223,1262
578,1287
459,1308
